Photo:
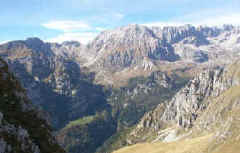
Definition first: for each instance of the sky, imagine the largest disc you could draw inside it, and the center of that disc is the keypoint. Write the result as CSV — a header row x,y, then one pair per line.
x,y
83,20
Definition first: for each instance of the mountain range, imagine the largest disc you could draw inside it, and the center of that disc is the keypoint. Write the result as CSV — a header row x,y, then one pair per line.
x,y
134,80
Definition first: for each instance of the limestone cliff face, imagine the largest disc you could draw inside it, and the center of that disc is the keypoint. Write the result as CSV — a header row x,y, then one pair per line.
x,y
176,34
191,101
129,46
132,45
205,113
183,109
52,73
23,128
185,105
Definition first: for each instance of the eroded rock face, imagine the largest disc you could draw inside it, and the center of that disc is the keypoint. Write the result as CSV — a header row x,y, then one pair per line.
x,y
185,105
133,45
176,34
52,77
191,100
53,70
157,78
151,119
129,46
34,61
192,106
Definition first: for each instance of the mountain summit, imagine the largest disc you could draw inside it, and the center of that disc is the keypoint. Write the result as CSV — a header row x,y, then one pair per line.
x,y
134,44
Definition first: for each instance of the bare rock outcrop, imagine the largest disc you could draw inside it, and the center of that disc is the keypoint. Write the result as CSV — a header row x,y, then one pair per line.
x,y
22,127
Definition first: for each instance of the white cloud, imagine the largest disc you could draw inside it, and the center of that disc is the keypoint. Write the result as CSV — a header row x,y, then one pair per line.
x,y
3,42
217,20
83,37
162,24
72,30
100,29
67,25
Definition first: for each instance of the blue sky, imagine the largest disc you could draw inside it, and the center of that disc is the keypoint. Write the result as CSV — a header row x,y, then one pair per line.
x,y
82,20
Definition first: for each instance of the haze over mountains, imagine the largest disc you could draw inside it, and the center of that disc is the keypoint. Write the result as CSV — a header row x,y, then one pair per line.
x,y
97,94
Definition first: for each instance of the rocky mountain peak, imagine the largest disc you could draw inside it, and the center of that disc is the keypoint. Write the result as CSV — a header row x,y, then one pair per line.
x,y
129,46
175,34
123,35
35,43
135,30
228,27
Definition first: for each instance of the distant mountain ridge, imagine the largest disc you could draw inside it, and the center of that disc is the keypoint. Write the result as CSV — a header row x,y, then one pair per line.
x,y
137,46
133,44
110,74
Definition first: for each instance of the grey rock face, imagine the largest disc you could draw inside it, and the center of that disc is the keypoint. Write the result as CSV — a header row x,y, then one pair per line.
x,y
53,69
191,100
186,104
151,119
176,34
19,119
3,146
132,45
128,46
34,61
184,107
156,79
45,70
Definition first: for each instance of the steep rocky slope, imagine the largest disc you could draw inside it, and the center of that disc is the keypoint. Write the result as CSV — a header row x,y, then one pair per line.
x,y
130,45
56,81
143,94
23,128
128,105
203,115
136,45
61,78
136,50
53,78
184,106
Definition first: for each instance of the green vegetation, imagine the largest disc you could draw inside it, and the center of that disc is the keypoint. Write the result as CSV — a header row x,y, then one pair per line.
x,y
11,106
131,102
128,109
81,121
81,128
88,136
